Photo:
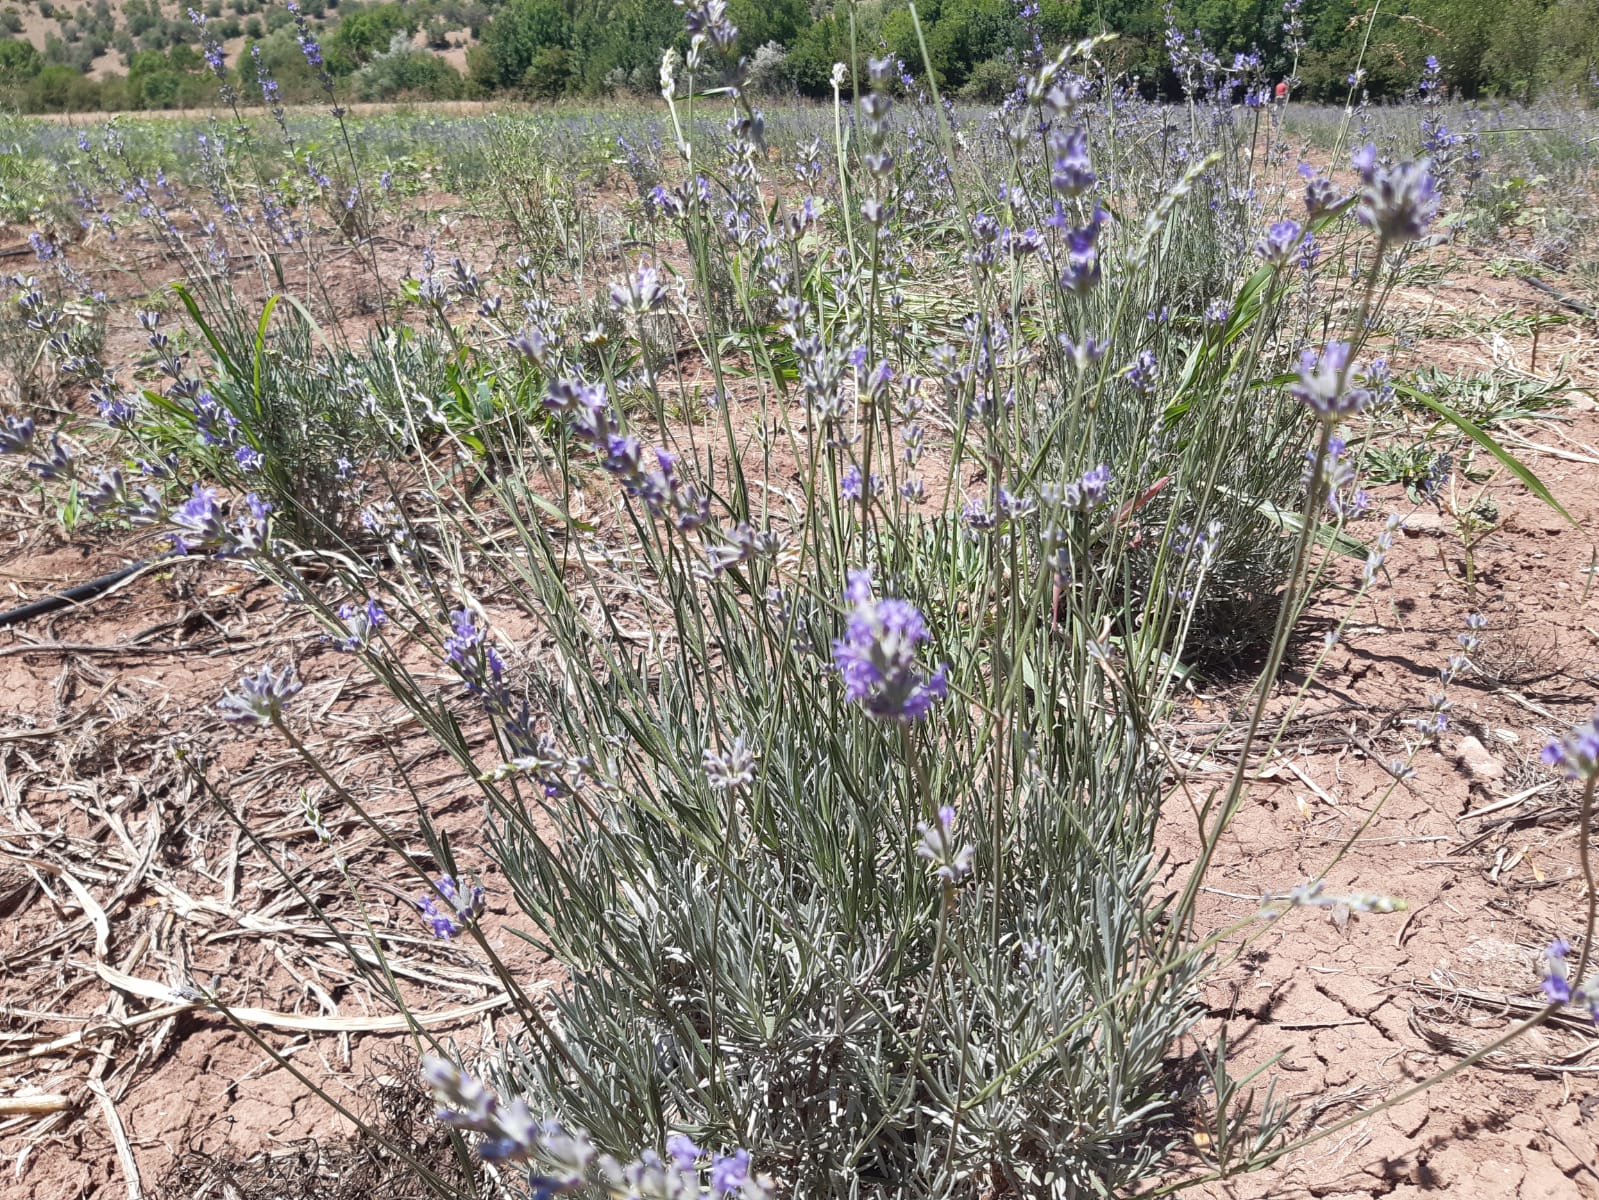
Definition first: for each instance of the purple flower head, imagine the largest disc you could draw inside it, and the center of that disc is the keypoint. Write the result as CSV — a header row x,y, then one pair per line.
x,y
1552,968
249,532
1082,271
952,862
1399,201
683,1152
1081,354
447,910
1071,173
877,656
1577,754
115,408
361,624
1144,373
708,19
730,1172
463,1102
1321,195
465,650
201,525
563,1159
1431,79
199,519
853,487
877,381
977,516
1329,385
640,294
54,461
850,485
260,698
1279,243
1083,494
1023,244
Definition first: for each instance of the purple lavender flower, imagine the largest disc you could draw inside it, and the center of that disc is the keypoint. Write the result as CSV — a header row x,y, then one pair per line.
x,y
563,1160
1552,968
1082,271
1321,194
642,293
202,525
213,51
1084,494
685,1155
465,649
855,488
115,409
653,477
952,862
1397,201
249,533
1071,173
977,516
16,434
1280,241
462,902
308,44
1024,244
1328,385
708,19
200,520
877,656
361,624
850,485
876,213
55,462
1144,373
730,1172
1081,354
733,769
261,697
1577,754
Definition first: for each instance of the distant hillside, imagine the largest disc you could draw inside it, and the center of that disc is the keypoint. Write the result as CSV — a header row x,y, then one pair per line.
x,y
146,54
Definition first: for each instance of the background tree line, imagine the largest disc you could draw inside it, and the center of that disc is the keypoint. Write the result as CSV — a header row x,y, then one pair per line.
x,y
551,48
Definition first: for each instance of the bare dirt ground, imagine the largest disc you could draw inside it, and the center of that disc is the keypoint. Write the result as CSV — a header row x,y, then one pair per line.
x,y
125,877
1481,844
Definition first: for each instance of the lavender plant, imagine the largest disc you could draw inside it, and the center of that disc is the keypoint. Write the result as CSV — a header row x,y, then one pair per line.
x,y
854,863
830,770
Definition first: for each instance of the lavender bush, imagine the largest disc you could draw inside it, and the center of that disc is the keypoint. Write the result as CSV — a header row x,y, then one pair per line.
x,y
856,566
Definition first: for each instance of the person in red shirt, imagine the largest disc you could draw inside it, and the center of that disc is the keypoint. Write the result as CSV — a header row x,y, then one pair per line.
x,y
1282,90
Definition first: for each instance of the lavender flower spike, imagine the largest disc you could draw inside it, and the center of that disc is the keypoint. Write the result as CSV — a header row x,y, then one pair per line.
x,y
952,862
1280,243
877,656
462,902
640,294
1576,754
261,697
564,1162
1397,201
563,1159
1329,385
1552,967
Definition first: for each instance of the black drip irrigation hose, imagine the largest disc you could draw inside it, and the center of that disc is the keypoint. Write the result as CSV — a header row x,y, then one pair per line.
x,y
76,594
1576,306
